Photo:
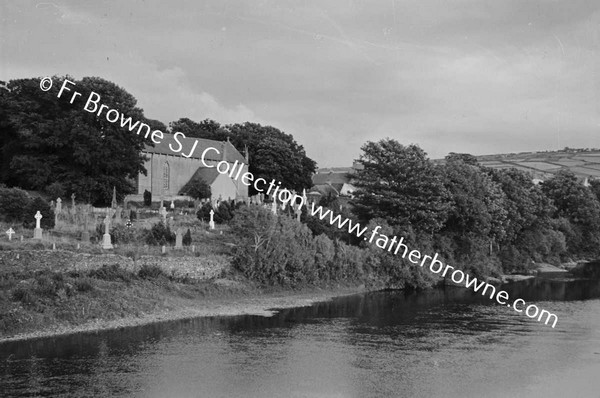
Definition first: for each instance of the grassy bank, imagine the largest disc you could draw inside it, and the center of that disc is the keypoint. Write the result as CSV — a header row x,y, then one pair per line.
x,y
42,303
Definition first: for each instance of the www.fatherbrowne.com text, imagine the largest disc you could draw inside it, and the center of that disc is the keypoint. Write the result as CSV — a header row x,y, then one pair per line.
x,y
395,245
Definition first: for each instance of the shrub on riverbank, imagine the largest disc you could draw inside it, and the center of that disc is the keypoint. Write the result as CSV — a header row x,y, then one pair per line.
x,y
280,251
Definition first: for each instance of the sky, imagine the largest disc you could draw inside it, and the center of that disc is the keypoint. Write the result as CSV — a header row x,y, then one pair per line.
x,y
474,76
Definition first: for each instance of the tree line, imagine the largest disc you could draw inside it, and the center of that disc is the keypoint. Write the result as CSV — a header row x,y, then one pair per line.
x,y
488,221
50,146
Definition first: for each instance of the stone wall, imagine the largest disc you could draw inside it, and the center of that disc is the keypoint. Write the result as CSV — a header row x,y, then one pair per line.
x,y
200,268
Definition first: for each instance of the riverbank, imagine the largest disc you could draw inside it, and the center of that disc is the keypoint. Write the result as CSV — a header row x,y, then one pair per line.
x,y
157,300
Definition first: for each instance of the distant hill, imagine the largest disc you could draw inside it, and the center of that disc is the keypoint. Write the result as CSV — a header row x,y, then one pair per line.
x,y
584,163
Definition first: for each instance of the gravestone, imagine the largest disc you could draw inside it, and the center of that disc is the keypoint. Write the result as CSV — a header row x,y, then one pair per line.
x,y
73,200
211,223
274,207
37,232
298,213
118,215
85,234
179,239
163,214
172,205
106,243
113,203
10,233
58,209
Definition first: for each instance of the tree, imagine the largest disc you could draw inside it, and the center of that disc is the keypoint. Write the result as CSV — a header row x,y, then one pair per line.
x,y
273,153
477,202
187,238
147,198
577,204
399,184
45,139
197,188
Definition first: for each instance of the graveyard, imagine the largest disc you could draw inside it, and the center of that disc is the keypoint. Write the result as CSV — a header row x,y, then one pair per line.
x,y
111,264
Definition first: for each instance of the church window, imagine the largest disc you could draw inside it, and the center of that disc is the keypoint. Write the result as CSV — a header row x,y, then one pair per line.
x,y
166,176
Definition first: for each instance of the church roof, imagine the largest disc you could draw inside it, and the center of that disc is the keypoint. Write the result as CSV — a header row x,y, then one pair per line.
x,y
231,153
206,174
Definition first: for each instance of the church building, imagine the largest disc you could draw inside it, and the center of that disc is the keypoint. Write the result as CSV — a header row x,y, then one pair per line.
x,y
169,171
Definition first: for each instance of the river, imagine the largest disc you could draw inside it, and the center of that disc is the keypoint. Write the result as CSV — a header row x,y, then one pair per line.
x,y
438,343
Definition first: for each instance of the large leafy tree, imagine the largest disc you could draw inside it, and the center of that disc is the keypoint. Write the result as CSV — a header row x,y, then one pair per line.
x,y
273,153
477,204
399,184
47,141
579,205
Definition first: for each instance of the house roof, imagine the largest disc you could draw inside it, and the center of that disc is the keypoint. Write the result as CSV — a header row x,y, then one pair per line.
x,y
331,177
231,153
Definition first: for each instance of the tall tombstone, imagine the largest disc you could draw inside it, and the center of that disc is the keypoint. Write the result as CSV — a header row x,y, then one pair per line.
x,y
298,212
274,206
211,223
118,215
73,200
113,203
179,239
106,242
58,208
37,232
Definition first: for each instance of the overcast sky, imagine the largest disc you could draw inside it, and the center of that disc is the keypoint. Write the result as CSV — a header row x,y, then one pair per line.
x,y
465,76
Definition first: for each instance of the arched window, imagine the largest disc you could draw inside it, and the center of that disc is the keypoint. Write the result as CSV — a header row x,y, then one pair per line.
x,y
166,174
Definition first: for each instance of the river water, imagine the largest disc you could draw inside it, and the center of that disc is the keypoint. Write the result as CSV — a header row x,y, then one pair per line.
x,y
438,343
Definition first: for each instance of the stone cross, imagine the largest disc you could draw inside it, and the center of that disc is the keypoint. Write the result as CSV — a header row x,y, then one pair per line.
x,y
106,224
178,239
58,209
38,217
73,199
172,205
211,223
37,232
163,214
10,233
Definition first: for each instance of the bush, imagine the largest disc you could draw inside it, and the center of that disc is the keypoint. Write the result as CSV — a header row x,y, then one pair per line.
x,y
160,235
151,272
121,234
56,190
47,221
23,294
13,204
187,238
17,206
203,213
273,250
112,272
84,285
147,198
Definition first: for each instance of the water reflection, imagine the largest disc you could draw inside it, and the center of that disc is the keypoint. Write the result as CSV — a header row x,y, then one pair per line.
x,y
443,342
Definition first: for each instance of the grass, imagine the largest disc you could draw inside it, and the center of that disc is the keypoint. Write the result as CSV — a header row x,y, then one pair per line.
x,y
40,300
